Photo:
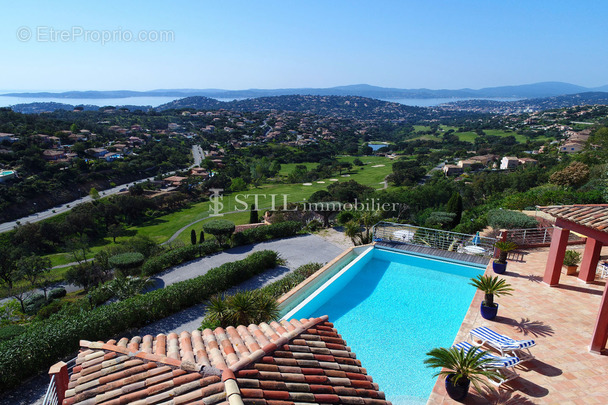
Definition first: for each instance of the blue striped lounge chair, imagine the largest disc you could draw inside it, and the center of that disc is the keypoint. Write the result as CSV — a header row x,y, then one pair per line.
x,y
504,344
504,365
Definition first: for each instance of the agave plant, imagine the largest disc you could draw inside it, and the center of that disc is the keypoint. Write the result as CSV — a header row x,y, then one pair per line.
x,y
460,364
504,247
491,286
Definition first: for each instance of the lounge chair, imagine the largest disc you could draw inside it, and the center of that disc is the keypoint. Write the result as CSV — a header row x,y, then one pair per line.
x,y
504,344
504,365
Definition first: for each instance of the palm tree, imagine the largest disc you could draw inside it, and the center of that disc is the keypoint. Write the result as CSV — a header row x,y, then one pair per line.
x,y
352,229
491,286
217,310
505,247
242,308
461,367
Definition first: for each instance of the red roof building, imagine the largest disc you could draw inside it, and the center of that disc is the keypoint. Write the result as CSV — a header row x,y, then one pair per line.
x,y
303,362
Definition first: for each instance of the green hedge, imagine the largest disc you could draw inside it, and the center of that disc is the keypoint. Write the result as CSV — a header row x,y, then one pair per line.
x,y
264,233
47,341
506,219
291,280
127,260
177,256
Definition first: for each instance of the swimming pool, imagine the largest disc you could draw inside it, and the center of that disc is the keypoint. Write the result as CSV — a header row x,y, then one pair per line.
x,y
392,308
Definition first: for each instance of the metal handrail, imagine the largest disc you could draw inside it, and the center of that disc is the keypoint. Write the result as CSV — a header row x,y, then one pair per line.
x,y
535,236
51,397
434,238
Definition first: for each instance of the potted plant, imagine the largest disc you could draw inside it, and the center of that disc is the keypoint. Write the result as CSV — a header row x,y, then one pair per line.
x,y
460,369
500,264
571,260
491,286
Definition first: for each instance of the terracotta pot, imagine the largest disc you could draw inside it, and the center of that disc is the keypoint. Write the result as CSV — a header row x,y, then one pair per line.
x,y
570,270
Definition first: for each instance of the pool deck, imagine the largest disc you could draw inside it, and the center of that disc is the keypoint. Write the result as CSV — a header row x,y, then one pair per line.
x,y
427,251
561,321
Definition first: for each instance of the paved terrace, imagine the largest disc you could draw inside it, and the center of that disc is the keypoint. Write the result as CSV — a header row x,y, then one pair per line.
x,y
560,320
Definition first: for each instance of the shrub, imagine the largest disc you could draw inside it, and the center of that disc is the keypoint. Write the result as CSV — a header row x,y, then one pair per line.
x,y
46,341
8,332
572,258
263,233
505,219
344,216
57,293
50,309
177,256
125,261
220,228
33,303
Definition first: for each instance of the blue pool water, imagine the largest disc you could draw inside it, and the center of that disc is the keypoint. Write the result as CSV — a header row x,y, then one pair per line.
x,y
391,309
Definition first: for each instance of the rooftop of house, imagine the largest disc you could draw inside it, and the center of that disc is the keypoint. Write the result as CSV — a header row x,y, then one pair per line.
x,y
292,362
593,216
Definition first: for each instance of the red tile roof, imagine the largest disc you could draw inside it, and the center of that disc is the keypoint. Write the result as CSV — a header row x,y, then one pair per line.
x,y
276,364
593,216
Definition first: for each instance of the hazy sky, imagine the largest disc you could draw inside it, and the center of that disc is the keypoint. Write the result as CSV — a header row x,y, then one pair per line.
x,y
59,45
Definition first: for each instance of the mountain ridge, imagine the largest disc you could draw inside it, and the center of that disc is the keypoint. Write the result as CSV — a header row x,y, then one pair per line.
x,y
532,90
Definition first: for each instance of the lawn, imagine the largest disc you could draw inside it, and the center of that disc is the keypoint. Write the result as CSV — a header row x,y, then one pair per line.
x,y
162,228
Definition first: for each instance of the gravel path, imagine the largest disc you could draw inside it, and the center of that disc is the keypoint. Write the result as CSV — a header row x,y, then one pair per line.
x,y
295,251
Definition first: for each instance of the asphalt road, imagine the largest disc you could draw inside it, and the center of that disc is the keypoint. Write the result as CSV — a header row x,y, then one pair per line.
x,y
197,153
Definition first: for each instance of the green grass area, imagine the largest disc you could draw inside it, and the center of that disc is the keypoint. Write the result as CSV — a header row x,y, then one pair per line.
x,y
470,136
53,276
162,228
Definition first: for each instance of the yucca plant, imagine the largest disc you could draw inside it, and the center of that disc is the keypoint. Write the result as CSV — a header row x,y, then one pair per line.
x,y
460,368
491,286
505,247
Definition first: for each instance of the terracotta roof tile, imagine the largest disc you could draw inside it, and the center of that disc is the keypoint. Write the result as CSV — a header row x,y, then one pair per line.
x,y
301,361
593,216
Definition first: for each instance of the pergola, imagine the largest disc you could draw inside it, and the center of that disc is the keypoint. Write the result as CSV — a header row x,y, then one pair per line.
x,y
592,222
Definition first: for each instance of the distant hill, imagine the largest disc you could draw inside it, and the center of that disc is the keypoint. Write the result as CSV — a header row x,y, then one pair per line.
x,y
334,106
37,108
534,104
535,90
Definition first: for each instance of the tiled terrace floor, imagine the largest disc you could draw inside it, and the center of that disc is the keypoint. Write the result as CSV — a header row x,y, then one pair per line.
x,y
561,320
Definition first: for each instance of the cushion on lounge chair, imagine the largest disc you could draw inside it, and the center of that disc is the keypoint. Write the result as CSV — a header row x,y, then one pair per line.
x,y
497,361
495,339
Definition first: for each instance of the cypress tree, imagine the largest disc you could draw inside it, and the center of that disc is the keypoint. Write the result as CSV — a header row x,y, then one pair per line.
x,y
193,237
202,238
455,206
253,215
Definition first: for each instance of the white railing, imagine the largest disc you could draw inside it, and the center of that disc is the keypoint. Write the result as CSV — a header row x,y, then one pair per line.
x,y
434,238
536,236
51,394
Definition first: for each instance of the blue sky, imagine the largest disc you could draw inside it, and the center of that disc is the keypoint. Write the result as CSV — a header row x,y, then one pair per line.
x,y
277,44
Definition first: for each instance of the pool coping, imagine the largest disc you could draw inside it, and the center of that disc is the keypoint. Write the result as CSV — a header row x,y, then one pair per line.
x,y
309,280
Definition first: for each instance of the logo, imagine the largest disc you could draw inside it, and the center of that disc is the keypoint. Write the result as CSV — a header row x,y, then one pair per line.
x,y
216,199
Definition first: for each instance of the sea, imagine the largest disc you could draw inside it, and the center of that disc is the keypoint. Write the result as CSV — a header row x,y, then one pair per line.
x,y
6,101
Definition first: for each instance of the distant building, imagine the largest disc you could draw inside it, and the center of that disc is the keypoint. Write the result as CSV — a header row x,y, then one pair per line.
x,y
97,152
484,159
528,161
174,181
571,147
7,137
53,155
467,163
452,170
509,162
